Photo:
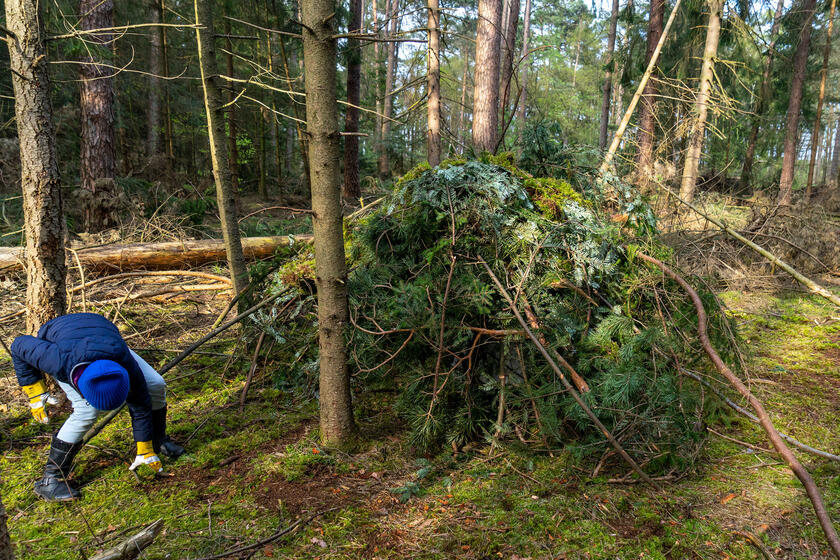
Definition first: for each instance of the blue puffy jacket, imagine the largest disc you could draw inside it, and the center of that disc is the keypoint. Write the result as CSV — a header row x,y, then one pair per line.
x,y
69,340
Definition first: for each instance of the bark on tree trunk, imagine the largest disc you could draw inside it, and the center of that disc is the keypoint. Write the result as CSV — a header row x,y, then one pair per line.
x,y
762,99
155,70
390,79
508,52
233,149
608,77
701,103
835,156
647,113
319,53
97,165
433,76
486,94
523,75
218,155
377,65
170,145
43,218
352,186
815,135
800,61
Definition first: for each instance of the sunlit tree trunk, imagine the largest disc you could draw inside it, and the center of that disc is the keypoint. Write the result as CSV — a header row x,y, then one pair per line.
x,y
835,156
319,53
97,164
485,125
155,70
523,74
647,113
352,186
701,102
218,155
800,62
815,135
433,86
608,78
43,220
762,99
508,53
465,56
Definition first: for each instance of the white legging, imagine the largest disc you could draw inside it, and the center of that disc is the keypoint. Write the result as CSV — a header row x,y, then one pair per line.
x,y
84,415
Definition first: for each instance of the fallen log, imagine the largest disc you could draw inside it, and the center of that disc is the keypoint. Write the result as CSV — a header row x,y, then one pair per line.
x,y
132,546
168,254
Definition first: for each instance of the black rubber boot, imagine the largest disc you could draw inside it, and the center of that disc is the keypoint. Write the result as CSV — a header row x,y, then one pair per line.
x,y
160,441
54,486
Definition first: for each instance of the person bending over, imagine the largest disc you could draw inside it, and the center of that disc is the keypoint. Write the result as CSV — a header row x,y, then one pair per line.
x,y
87,356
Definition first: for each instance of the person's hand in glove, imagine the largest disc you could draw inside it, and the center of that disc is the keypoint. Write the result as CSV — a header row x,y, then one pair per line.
x,y
146,456
39,397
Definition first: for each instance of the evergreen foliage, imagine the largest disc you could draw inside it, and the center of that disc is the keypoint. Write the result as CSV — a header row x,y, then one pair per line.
x,y
414,266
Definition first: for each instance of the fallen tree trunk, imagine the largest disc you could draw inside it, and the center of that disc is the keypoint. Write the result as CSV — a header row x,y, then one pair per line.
x,y
133,546
764,419
169,254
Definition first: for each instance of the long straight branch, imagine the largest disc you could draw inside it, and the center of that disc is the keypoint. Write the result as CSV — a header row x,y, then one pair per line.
x,y
569,387
764,419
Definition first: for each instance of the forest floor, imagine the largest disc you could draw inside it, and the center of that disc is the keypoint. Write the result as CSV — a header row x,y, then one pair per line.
x,y
256,469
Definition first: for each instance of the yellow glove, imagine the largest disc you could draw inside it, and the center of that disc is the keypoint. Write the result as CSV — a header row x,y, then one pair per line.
x,y
146,456
38,397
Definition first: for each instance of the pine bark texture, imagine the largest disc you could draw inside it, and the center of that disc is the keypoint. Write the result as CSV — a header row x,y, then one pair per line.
x,y
486,93
153,126
43,220
319,54
352,185
815,134
608,78
647,114
97,165
800,62
433,86
523,74
701,102
762,99
225,194
508,53
390,79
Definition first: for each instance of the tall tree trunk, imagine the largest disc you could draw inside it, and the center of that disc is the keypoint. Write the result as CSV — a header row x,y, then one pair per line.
x,y
433,86
647,113
170,145
319,53
800,61
459,133
390,80
815,135
97,166
523,75
762,99
42,212
262,116
233,149
377,66
835,156
701,103
486,93
225,194
352,186
608,78
508,52
155,70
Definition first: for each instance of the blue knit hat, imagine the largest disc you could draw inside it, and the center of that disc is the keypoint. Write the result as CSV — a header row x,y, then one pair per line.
x,y
104,384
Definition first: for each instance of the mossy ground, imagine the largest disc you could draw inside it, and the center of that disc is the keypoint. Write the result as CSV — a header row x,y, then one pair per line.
x,y
249,472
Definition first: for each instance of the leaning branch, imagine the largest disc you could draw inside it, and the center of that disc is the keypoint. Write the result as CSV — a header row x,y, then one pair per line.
x,y
617,446
192,348
764,419
812,286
